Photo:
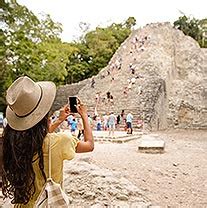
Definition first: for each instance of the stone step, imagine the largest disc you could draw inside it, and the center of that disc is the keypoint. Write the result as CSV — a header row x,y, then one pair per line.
x,y
151,144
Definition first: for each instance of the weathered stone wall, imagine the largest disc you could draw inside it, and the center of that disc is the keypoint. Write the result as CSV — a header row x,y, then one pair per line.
x,y
188,95
63,92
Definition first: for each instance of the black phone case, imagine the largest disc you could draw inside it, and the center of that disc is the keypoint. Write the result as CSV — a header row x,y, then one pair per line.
x,y
73,103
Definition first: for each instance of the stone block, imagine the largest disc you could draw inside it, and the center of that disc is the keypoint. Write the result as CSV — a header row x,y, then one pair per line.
x,y
149,144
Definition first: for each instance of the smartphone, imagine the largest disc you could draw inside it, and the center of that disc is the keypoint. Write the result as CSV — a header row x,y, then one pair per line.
x,y
73,103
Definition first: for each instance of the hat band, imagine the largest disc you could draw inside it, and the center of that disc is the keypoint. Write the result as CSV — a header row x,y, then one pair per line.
x,y
34,107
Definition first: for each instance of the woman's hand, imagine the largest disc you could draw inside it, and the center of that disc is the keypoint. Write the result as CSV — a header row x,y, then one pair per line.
x,y
88,144
82,109
64,113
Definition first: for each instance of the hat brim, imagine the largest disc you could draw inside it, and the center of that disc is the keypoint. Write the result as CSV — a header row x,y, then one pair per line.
x,y
45,104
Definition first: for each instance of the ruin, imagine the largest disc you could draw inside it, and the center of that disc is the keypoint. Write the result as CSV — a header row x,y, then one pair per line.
x,y
169,89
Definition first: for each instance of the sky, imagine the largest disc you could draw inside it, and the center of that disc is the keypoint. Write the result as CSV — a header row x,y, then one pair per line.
x,y
102,13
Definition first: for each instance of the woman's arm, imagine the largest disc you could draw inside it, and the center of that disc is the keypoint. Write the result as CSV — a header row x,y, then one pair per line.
x,y
83,146
64,113
88,144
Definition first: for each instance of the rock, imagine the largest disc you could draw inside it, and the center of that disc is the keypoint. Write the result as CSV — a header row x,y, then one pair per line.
x,y
150,144
122,197
92,185
89,195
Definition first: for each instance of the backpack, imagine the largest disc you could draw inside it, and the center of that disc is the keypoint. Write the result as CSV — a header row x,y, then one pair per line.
x,y
51,195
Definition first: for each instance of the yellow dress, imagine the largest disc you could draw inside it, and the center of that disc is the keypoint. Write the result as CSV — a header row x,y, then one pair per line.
x,y
62,148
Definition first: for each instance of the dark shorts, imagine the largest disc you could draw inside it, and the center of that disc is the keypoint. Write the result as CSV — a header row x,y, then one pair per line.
x,y
129,125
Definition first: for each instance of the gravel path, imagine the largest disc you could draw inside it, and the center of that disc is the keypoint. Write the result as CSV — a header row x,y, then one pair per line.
x,y
176,178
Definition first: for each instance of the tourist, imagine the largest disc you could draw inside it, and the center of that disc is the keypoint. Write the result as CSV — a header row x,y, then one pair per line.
x,y
108,95
129,86
90,120
139,90
122,115
53,118
70,119
80,128
102,76
92,82
105,122
133,80
125,91
64,125
118,121
129,118
98,123
26,140
73,126
111,99
97,97
4,121
132,68
140,124
111,123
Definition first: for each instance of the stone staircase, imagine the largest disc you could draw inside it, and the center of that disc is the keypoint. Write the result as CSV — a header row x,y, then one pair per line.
x,y
63,92
138,104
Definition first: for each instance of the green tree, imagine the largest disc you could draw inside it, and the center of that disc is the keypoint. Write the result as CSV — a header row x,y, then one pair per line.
x,y
24,36
54,58
193,27
203,28
31,46
78,64
130,22
95,50
4,81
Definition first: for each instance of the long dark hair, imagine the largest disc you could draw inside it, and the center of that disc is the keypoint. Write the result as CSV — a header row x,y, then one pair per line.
x,y
19,148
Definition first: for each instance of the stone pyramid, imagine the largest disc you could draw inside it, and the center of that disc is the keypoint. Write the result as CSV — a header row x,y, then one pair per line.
x,y
158,74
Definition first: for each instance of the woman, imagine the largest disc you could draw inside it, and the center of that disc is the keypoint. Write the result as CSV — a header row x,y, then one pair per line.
x,y
26,140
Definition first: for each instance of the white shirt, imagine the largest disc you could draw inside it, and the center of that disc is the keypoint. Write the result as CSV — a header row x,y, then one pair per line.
x,y
4,122
129,117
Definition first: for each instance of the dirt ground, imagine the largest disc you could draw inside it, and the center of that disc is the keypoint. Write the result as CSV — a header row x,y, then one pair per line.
x,y
176,178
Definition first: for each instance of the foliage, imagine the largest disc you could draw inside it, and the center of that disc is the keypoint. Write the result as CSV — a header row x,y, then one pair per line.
x,y
54,56
195,28
203,30
130,22
30,46
96,49
3,49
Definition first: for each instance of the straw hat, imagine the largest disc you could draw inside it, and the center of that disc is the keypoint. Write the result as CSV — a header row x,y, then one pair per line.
x,y
28,102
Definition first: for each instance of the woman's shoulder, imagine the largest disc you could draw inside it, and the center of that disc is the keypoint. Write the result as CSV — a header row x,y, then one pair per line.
x,y
62,143
61,139
58,136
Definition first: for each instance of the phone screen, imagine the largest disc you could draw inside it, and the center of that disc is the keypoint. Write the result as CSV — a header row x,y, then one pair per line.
x,y
72,104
